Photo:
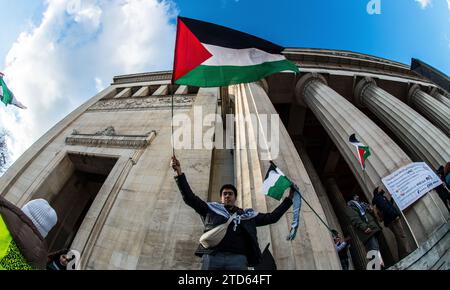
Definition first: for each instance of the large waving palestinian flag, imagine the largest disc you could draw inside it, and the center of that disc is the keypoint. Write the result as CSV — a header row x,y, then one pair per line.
x,y
209,55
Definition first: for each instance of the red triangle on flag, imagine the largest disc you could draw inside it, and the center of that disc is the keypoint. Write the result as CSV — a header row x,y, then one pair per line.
x,y
361,158
189,52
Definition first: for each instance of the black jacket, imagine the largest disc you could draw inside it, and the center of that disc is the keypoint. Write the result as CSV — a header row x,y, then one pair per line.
x,y
211,220
389,212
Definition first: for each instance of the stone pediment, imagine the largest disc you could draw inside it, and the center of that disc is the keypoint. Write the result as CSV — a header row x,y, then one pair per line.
x,y
109,138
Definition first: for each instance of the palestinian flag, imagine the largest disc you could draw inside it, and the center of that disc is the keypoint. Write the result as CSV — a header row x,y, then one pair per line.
x,y
362,150
275,183
6,96
209,55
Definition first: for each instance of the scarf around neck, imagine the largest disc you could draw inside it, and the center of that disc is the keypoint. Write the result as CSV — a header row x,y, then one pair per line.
x,y
360,208
220,209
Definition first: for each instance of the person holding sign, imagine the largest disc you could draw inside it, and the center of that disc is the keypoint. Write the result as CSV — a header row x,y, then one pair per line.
x,y
390,215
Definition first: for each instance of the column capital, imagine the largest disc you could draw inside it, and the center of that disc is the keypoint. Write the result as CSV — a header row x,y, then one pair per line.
x,y
360,88
413,89
432,90
303,83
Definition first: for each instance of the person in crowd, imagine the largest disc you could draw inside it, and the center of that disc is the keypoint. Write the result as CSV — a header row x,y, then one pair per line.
x,y
447,174
391,217
238,248
58,261
367,229
443,190
342,247
22,234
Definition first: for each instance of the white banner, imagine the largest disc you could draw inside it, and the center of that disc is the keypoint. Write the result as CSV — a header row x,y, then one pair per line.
x,y
411,182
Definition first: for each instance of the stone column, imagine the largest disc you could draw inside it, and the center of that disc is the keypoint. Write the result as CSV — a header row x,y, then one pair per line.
x,y
431,108
358,250
340,119
423,139
313,248
332,219
440,97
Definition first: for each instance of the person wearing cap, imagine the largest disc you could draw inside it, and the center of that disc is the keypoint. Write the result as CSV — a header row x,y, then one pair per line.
x,y
239,248
22,234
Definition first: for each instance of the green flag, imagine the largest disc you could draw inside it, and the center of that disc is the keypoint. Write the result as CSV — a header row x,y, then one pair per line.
x,y
7,97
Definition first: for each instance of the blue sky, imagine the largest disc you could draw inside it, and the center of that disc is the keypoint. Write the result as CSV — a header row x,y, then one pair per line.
x,y
402,30
57,54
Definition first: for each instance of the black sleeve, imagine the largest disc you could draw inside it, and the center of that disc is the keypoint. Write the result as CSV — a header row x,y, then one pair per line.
x,y
263,219
189,197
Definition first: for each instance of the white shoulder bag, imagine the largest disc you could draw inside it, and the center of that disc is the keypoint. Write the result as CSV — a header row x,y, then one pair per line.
x,y
213,237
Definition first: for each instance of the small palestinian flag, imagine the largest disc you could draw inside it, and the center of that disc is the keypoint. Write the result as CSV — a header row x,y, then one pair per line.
x,y
275,183
362,150
209,55
6,96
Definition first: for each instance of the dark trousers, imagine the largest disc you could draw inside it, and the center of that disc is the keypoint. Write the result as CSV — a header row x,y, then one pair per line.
x,y
372,244
345,263
402,241
224,261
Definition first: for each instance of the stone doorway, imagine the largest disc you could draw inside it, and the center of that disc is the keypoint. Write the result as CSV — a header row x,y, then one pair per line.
x,y
71,189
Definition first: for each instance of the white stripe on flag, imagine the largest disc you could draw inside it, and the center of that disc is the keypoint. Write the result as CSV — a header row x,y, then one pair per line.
x,y
279,171
270,181
238,57
357,144
16,103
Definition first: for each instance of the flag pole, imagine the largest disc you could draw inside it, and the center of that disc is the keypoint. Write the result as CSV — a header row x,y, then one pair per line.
x,y
172,83
296,188
171,126
364,177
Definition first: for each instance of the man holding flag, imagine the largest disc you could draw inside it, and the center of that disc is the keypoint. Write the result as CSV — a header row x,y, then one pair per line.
x,y
210,55
239,248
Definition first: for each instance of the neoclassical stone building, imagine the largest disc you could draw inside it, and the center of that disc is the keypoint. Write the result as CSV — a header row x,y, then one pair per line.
x,y
105,167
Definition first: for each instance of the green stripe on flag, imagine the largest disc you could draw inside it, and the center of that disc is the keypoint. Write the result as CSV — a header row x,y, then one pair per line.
x,y
280,186
217,76
366,151
6,93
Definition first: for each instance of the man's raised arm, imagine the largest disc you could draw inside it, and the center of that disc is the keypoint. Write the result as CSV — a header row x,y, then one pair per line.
x,y
263,219
186,192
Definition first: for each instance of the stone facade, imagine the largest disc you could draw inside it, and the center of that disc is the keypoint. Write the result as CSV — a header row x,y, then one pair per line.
x,y
105,167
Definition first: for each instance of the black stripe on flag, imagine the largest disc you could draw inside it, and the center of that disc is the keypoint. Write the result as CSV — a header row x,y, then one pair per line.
x,y
213,34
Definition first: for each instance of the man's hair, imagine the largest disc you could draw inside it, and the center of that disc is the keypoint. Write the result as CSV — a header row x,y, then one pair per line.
x,y
375,191
228,186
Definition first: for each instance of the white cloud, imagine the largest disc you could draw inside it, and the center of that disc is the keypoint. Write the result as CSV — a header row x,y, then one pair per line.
x,y
79,45
448,5
424,3
99,86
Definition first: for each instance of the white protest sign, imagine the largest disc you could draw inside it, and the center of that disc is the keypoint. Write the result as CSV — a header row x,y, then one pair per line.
x,y
411,182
